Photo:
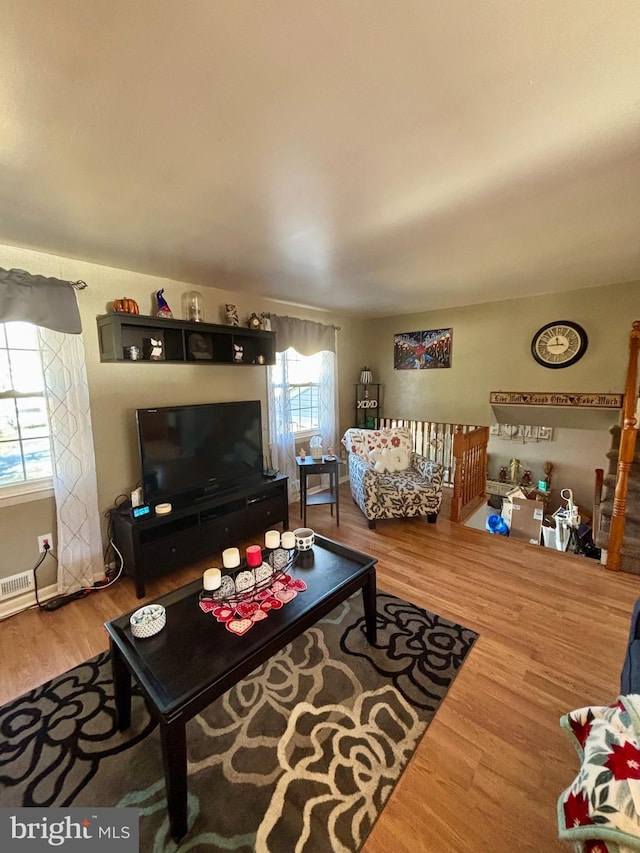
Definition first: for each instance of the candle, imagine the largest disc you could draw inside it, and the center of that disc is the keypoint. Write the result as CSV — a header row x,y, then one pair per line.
x,y
211,579
288,540
231,558
254,556
272,539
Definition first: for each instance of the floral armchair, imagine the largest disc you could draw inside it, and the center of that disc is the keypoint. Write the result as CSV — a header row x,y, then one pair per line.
x,y
389,480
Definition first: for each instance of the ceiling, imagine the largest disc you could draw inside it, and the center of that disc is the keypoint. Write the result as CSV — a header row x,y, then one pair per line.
x,y
371,156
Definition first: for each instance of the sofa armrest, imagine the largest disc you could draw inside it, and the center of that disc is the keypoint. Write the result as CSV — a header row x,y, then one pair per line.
x,y
430,470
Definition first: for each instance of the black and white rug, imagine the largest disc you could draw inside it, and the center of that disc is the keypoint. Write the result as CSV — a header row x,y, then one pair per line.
x,y
300,756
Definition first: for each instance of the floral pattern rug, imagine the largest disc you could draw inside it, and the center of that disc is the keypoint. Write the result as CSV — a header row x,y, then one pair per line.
x,y
300,756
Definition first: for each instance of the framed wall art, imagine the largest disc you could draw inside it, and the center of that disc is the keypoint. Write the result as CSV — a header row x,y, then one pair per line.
x,y
422,350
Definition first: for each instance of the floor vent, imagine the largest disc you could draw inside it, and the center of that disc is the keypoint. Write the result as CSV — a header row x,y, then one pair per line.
x,y
16,584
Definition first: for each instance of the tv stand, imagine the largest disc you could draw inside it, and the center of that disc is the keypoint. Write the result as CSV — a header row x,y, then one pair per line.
x,y
160,543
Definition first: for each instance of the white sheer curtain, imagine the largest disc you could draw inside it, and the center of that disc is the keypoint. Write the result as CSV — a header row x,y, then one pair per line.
x,y
281,436
79,543
306,338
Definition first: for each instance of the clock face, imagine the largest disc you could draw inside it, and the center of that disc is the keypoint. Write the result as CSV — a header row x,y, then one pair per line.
x,y
559,344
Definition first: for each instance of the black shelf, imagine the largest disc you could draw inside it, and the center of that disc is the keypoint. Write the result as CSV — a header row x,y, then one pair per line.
x,y
183,341
367,405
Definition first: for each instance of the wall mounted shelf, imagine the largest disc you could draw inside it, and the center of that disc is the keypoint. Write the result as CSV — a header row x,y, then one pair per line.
x,y
183,341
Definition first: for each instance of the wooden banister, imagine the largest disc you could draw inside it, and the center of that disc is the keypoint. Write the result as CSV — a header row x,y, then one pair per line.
x,y
626,453
470,472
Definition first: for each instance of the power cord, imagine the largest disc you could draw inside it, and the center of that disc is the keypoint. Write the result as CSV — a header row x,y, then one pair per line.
x,y
59,600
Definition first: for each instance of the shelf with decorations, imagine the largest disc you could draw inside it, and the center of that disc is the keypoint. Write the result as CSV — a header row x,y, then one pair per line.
x,y
367,404
131,337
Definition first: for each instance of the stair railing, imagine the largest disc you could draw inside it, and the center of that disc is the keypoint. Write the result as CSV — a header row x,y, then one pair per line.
x,y
470,472
626,453
431,439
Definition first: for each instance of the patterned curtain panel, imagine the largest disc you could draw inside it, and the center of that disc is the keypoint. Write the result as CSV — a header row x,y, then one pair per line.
x,y
281,438
327,400
80,559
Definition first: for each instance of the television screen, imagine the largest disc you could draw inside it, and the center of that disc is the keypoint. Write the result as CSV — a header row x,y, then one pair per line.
x,y
199,450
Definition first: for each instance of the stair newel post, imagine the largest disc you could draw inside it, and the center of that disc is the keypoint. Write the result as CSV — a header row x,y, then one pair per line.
x,y
458,469
626,453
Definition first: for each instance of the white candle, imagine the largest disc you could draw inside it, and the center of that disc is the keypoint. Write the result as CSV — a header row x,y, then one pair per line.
x,y
272,539
211,579
288,540
231,558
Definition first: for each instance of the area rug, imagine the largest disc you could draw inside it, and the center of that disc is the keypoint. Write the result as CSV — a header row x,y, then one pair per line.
x,y
300,756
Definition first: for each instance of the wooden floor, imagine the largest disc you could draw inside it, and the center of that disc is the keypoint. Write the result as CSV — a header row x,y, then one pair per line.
x,y
488,772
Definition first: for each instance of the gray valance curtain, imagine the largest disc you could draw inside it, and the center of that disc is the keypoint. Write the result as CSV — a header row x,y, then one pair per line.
x,y
47,302
305,336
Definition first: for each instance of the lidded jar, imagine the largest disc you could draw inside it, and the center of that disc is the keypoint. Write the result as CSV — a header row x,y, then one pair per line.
x,y
316,448
192,308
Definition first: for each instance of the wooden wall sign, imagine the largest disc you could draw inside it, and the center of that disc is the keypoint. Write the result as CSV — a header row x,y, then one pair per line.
x,y
542,398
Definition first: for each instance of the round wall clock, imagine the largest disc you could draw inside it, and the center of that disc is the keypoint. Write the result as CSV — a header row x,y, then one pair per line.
x,y
559,344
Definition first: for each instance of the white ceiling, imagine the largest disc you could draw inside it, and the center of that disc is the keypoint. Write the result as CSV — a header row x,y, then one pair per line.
x,y
378,156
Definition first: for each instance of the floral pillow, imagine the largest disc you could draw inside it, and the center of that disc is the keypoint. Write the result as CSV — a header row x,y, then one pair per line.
x,y
362,441
600,811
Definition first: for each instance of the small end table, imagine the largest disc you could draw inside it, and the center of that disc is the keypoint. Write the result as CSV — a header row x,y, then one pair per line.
x,y
326,465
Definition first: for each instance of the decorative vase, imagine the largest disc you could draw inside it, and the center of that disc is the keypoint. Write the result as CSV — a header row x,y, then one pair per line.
x,y
192,306
365,376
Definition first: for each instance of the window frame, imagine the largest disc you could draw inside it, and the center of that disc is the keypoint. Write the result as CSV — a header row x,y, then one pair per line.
x,y
307,432
38,488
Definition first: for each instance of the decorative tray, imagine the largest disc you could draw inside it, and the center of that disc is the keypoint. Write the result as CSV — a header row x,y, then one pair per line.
x,y
245,582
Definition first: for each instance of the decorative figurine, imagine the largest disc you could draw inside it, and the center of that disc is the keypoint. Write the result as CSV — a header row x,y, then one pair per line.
x,y
238,353
514,470
163,308
526,477
254,321
548,468
231,313
502,476
153,349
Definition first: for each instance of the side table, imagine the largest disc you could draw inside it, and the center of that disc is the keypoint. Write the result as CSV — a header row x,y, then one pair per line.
x,y
326,465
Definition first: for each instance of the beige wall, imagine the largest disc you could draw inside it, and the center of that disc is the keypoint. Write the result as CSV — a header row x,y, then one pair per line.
x,y
492,351
116,390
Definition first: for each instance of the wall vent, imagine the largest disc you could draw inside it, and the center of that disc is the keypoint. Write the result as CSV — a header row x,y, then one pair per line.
x,y
16,584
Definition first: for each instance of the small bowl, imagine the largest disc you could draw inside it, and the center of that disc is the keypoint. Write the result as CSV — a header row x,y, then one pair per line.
x,y
305,537
148,620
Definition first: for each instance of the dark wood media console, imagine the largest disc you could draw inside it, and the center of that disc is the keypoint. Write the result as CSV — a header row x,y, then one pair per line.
x,y
160,543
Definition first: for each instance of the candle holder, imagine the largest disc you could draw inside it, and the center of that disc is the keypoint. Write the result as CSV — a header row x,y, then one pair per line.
x,y
245,582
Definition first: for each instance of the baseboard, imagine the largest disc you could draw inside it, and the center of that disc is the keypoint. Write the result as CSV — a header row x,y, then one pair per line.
x,y
18,603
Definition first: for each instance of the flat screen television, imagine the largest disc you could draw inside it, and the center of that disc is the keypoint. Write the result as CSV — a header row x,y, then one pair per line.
x,y
192,452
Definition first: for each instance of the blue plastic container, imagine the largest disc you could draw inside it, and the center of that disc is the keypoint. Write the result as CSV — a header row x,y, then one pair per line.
x,y
497,524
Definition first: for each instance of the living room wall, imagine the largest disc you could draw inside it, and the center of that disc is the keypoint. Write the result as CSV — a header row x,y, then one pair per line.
x,y
116,390
491,351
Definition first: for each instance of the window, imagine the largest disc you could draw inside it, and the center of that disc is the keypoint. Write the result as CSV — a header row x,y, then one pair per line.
x,y
303,373
25,448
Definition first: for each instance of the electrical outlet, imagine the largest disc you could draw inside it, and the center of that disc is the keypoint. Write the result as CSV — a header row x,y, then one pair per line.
x,y
48,538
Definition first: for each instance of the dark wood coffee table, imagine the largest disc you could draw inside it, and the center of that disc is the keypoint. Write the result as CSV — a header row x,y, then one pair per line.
x,y
194,659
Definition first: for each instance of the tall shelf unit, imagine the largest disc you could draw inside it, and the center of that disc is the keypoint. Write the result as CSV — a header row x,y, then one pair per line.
x,y
367,405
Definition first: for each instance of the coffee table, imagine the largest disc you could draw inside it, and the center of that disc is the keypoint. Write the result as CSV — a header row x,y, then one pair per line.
x,y
194,659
